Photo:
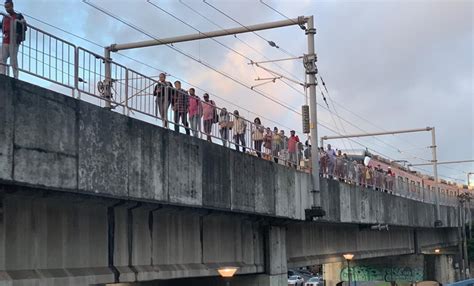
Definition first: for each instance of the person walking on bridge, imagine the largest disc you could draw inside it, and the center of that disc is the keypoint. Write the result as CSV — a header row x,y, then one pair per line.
x,y
11,41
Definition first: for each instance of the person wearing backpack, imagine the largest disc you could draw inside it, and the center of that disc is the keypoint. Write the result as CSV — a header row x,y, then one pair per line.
x,y
11,43
209,115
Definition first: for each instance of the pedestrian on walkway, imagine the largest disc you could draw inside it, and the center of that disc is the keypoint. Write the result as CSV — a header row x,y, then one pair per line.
x,y
180,107
195,112
257,136
11,41
331,156
209,110
292,148
240,126
267,142
163,94
276,144
224,125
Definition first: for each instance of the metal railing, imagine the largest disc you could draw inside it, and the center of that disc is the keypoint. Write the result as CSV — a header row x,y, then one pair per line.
x,y
52,59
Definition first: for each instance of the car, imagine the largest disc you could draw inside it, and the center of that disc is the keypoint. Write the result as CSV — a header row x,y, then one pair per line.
x,y
295,280
314,281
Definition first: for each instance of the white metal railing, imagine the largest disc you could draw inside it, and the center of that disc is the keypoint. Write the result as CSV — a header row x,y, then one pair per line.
x,y
50,58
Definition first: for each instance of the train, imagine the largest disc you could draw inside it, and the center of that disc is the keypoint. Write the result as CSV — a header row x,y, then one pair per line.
x,y
411,183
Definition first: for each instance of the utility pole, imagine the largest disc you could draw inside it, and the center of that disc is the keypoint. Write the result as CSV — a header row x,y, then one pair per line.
x,y
434,160
438,221
311,70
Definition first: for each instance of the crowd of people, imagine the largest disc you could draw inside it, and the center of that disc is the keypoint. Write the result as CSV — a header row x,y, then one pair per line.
x,y
191,112
232,127
337,165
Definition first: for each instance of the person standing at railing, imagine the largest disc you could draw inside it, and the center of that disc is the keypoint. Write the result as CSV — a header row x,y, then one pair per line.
x,y
331,156
195,112
240,126
224,125
339,166
209,115
257,136
180,107
267,143
369,176
292,148
361,174
284,146
390,179
163,96
323,162
11,41
276,144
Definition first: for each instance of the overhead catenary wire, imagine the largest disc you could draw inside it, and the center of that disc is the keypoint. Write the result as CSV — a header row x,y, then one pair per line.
x,y
236,37
271,43
220,43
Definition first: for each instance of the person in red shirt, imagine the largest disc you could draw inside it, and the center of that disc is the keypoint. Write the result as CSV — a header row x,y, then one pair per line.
x,y
292,144
11,41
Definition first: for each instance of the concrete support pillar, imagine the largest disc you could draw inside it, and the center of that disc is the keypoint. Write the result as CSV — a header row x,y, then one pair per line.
x,y
332,273
275,259
440,268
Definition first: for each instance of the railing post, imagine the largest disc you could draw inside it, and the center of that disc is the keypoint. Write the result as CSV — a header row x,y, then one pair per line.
x,y
108,78
126,110
76,71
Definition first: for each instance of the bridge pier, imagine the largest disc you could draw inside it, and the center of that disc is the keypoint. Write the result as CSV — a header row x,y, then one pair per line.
x,y
440,268
276,259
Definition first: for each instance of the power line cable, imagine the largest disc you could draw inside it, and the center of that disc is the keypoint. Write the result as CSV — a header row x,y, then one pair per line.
x,y
237,37
271,43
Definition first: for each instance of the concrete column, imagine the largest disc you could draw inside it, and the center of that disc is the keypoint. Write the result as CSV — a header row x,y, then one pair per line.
x,y
332,273
275,258
440,268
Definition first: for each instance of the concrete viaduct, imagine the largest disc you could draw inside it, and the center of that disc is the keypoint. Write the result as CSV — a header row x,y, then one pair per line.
x,y
92,197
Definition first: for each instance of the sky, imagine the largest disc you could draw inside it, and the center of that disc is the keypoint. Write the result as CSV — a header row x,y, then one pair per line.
x,y
387,65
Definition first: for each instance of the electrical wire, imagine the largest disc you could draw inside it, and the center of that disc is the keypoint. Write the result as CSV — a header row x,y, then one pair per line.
x,y
271,43
236,37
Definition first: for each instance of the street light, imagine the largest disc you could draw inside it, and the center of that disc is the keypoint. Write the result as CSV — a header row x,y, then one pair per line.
x,y
348,257
227,273
437,251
